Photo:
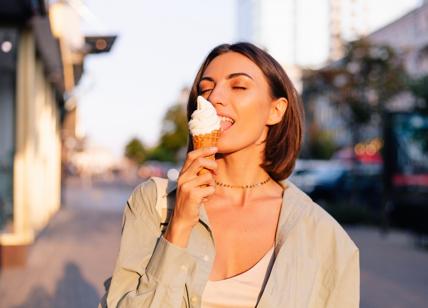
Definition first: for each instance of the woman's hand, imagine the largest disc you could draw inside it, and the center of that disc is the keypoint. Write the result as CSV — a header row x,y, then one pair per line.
x,y
192,189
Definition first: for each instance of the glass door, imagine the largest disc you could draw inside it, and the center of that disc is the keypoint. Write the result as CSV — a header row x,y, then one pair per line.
x,y
8,56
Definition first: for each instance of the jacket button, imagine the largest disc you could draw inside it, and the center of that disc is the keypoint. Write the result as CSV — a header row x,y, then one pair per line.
x,y
206,258
194,299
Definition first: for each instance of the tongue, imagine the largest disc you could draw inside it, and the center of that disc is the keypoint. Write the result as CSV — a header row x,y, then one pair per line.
x,y
225,125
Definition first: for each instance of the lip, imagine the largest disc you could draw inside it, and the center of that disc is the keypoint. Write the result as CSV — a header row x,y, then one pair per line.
x,y
223,130
226,115
222,114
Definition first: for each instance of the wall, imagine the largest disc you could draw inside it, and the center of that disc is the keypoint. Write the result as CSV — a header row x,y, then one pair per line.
x,y
37,160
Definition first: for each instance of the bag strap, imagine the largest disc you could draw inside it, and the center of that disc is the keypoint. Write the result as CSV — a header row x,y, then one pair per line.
x,y
164,199
161,200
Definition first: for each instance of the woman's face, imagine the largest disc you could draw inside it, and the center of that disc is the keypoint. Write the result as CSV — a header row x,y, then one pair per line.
x,y
240,93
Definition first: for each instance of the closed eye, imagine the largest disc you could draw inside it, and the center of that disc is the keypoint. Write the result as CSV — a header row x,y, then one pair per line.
x,y
239,88
206,90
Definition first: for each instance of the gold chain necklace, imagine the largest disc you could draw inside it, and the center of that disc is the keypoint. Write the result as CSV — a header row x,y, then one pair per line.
x,y
243,186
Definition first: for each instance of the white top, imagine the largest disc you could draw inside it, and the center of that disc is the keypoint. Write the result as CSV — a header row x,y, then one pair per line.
x,y
240,291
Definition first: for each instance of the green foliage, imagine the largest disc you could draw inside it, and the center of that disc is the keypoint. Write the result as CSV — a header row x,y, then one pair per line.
x,y
321,144
135,151
161,154
173,136
174,132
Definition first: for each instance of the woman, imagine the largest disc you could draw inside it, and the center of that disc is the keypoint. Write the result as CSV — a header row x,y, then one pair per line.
x,y
240,235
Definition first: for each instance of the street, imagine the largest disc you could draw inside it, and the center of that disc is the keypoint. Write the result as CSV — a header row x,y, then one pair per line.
x,y
73,256
76,252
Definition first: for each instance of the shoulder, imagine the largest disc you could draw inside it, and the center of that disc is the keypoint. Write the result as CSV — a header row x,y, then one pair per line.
x,y
327,237
149,197
142,197
145,196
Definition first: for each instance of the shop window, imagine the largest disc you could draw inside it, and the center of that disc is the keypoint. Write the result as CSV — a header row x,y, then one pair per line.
x,y
8,56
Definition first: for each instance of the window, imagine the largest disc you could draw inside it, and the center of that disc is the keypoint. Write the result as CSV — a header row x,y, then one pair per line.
x,y
8,56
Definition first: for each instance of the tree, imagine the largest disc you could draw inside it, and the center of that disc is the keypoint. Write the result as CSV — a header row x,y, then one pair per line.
x,y
173,136
323,146
360,84
159,153
135,151
175,131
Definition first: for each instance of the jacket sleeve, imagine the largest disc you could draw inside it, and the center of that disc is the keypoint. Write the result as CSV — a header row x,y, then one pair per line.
x,y
346,292
150,271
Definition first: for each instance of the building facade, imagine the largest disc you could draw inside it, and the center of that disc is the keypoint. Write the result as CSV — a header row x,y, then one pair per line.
x,y
41,60
409,36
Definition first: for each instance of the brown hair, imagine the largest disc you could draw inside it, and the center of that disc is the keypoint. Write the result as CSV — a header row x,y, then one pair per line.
x,y
284,138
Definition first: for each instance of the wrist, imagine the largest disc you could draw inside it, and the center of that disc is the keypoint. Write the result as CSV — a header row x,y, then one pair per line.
x,y
178,233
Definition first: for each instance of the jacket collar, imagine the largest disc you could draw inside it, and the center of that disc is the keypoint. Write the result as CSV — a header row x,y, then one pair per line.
x,y
292,210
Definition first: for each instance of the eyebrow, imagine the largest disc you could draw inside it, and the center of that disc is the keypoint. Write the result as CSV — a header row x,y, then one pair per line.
x,y
233,75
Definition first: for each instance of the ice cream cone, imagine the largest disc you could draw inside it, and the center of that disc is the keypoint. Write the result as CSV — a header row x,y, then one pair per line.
x,y
204,141
204,127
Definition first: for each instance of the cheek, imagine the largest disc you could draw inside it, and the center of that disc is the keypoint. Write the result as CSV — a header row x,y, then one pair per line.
x,y
249,129
255,113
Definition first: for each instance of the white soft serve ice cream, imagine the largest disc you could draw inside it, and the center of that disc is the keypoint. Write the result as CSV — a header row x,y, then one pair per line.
x,y
204,120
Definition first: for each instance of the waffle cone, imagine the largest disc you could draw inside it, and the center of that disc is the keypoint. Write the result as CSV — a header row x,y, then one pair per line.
x,y
205,141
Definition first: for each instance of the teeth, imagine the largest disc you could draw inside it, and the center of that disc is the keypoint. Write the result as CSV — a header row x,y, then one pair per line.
x,y
226,119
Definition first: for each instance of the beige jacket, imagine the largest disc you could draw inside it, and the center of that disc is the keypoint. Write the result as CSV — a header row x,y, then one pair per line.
x,y
316,264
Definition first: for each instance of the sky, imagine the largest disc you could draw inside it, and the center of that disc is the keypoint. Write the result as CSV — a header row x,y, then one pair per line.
x,y
160,45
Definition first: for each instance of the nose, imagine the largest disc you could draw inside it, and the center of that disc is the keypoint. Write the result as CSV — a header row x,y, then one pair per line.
x,y
218,95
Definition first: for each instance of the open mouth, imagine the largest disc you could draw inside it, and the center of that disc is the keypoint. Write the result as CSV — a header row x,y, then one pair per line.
x,y
225,123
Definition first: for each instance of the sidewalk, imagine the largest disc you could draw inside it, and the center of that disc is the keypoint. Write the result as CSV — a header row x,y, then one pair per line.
x,y
73,256
394,272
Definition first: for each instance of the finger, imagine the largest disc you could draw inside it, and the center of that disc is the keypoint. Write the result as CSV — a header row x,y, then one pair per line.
x,y
202,163
202,192
206,179
197,165
197,181
195,154
205,192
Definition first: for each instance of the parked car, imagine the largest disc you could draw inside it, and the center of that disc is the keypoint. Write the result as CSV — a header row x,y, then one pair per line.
x,y
321,180
336,181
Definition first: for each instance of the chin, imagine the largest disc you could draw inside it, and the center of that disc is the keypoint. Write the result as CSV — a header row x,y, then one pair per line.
x,y
230,146
226,146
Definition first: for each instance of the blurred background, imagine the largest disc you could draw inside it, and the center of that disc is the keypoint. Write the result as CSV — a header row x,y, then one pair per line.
x,y
92,102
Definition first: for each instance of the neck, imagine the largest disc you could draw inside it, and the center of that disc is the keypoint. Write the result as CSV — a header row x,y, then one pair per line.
x,y
242,168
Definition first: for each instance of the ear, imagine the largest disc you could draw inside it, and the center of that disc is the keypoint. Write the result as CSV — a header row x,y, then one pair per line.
x,y
277,111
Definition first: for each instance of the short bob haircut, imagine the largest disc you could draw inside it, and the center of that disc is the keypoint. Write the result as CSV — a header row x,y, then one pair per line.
x,y
284,139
